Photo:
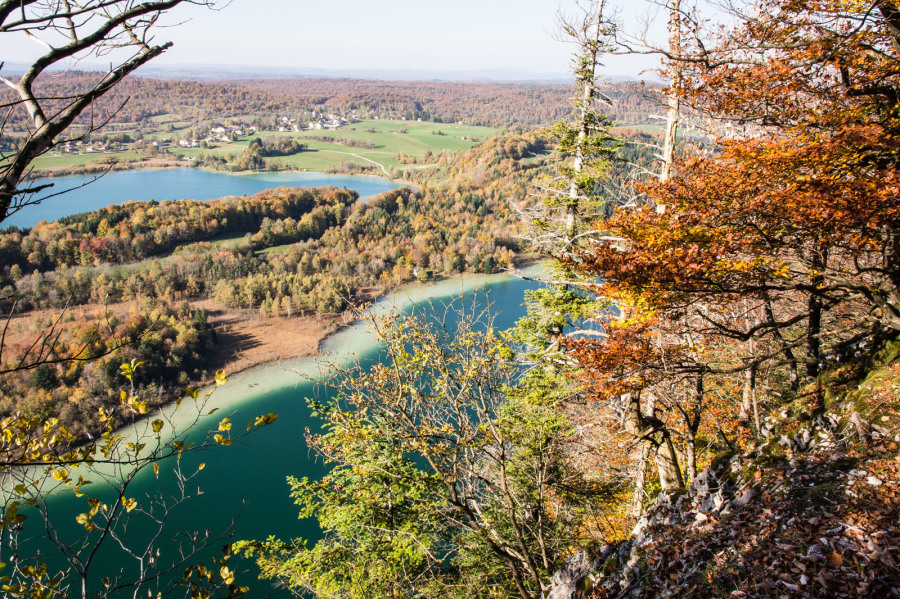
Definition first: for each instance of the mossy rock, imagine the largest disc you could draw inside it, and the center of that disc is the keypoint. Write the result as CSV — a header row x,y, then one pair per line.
x,y
887,353
719,459
748,472
609,566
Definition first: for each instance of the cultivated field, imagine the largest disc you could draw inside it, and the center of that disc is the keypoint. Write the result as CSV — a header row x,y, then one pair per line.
x,y
377,143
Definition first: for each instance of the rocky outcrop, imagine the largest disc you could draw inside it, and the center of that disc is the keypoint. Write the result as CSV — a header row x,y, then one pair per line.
x,y
807,513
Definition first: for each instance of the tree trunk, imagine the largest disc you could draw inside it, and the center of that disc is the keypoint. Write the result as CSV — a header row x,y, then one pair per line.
x,y
892,20
674,101
637,500
667,465
814,326
748,401
690,454
652,432
693,425
587,80
889,285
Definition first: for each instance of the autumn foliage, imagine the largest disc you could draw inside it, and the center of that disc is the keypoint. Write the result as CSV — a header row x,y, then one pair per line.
x,y
771,256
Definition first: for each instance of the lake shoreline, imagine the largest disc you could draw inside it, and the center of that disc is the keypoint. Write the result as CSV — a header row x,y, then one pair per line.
x,y
156,164
88,193
321,329
89,169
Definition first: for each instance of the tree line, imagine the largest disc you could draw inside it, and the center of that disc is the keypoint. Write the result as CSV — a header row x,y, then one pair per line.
x,y
263,102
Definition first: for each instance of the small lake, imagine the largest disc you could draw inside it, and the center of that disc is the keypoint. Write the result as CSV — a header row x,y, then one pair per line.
x,y
174,184
249,478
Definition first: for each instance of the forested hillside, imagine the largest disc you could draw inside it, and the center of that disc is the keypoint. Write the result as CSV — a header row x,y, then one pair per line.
x,y
490,104
701,401
264,102
285,253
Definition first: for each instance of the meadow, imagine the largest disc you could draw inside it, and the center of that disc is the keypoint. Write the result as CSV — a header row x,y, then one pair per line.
x,y
378,143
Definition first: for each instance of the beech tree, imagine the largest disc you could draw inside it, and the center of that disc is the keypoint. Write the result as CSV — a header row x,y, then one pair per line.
x,y
802,207
120,31
779,247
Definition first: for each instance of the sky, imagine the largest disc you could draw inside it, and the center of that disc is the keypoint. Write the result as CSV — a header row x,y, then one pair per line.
x,y
419,35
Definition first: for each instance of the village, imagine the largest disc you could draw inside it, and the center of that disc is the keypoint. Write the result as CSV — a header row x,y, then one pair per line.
x,y
218,134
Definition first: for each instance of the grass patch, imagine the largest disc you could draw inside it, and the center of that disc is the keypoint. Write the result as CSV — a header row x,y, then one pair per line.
x,y
55,161
225,239
276,249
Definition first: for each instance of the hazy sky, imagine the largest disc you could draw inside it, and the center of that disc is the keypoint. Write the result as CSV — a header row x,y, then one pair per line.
x,y
366,34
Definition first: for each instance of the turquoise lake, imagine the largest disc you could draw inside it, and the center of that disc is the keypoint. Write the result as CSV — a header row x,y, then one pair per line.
x,y
247,481
84,194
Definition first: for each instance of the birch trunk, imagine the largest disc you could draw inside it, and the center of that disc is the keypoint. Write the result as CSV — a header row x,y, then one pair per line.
x,y
674,102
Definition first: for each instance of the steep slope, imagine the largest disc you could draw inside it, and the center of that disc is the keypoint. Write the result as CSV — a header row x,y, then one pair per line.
x,y
811,510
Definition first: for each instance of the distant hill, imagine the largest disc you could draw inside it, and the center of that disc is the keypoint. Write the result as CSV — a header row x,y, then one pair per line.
x,y
219,72
137,101
211,72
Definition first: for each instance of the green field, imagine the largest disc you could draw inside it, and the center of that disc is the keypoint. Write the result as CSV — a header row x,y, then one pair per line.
x,y
225,240
48,161
386,138
276,249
